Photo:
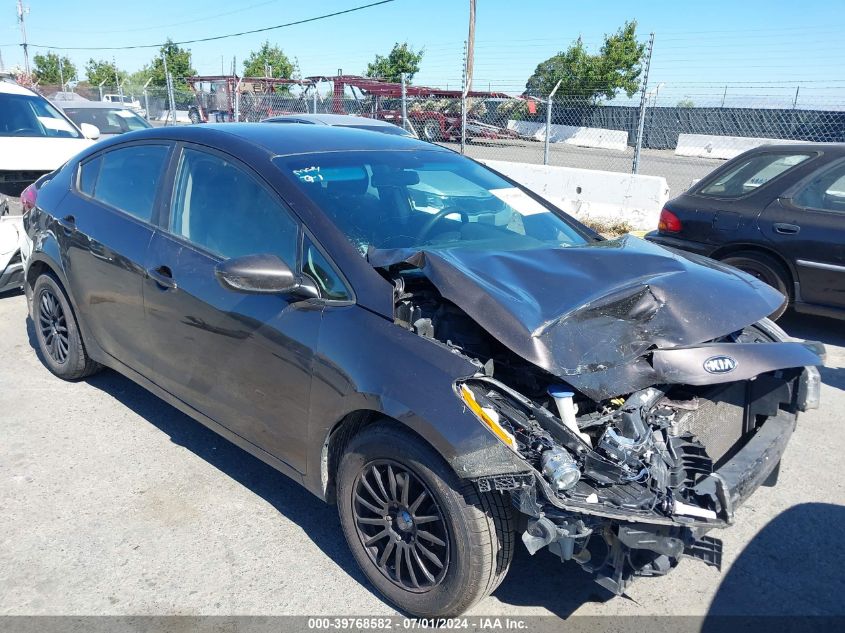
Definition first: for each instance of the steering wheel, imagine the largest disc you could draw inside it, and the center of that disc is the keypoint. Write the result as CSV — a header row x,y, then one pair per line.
x,y
422,236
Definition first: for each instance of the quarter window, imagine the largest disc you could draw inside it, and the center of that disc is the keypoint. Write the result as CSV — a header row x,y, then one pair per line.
x,y
220,207
752,173
826,191
125,178
316,266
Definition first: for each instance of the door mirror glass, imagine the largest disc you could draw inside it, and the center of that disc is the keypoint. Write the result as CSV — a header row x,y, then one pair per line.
x,y
257,274
90,131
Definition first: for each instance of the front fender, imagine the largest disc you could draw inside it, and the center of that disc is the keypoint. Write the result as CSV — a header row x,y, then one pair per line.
x,y
367,363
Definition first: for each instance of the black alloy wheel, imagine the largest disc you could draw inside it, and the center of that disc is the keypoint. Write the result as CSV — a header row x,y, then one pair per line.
x,y
57,331
53,326
401,526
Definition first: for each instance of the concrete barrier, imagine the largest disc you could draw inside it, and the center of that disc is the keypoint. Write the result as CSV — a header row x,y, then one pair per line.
x,y
723,147
572,135
587,193
181,116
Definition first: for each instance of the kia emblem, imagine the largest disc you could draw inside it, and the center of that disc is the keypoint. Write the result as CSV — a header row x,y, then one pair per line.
x,y
719,364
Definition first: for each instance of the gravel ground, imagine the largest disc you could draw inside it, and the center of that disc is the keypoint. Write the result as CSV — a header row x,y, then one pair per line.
x,y
112,502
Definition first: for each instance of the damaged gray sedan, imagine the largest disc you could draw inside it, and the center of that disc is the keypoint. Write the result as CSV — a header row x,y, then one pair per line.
x,y
457,364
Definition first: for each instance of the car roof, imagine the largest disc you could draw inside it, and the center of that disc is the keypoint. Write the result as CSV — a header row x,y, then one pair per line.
x,y
89,104
285,140
12,88
828,148
329,119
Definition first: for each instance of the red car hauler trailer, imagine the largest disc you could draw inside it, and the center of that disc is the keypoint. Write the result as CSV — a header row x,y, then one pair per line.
x,y
260,97
381,99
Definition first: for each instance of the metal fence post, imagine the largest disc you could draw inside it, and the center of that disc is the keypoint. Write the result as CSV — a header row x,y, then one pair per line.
x,y
404,103
171,98
101,89
316,97
147,99
237,100
549,105
635,167
464,103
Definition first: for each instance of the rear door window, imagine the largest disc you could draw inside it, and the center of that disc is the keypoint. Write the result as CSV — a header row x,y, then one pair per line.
x,y
825,191
126,178
754,172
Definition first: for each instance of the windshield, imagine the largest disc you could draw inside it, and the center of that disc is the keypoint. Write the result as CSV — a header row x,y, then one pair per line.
x,y
401,199
25,115
107,120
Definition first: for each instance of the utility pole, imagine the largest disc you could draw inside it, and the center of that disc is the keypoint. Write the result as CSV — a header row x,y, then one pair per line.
x,y
635,168
61,75
21,12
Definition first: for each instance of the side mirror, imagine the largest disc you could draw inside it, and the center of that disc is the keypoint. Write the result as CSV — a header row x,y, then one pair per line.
x,y
261,274
90,131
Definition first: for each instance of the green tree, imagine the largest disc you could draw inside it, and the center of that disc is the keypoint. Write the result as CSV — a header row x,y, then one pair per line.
x,y
178,65
686,102
47,70
99,71
591,77
402,59
268,61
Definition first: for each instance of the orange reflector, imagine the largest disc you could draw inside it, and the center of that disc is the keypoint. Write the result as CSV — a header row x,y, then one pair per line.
x,y
498,430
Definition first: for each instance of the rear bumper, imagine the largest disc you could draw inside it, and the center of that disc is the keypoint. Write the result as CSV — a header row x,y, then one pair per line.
x,y
699,248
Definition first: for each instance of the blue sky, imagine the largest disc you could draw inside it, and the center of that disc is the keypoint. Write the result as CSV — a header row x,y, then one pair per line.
x,y
760,50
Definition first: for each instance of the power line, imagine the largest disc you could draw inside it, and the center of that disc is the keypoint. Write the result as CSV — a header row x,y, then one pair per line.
x,y
215,37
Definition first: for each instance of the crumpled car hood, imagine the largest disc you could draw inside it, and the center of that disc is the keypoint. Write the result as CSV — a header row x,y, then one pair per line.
x,y
589,313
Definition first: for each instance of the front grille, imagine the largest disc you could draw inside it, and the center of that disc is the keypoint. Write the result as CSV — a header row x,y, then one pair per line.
x,y
719,422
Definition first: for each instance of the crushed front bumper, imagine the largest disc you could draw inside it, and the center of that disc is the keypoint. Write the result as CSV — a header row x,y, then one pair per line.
x,y
617,545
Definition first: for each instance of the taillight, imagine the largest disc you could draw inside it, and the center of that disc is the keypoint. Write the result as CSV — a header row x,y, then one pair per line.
x,y
28,198
669,222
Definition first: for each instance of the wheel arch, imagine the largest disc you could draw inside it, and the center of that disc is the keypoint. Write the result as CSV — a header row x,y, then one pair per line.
x,y
341,434
41,263
739,247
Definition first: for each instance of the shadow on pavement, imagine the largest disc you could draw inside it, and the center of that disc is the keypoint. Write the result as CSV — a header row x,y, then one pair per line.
x,y
543,580
317,519
831,332
793,566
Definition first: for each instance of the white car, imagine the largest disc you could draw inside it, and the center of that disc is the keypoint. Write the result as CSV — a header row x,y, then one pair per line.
x,y
127,102
35,139
11,245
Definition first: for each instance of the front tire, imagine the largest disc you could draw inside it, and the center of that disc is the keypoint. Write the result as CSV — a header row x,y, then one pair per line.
x,y
429,542
57,332
766,269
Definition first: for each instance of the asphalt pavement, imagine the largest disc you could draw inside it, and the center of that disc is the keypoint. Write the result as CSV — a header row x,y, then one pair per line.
x,y
113,502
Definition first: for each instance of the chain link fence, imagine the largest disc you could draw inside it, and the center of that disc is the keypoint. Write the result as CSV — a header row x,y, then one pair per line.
x,y
680,143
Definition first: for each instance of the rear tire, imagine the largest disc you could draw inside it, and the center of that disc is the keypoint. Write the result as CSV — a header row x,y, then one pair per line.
x,y
768,270
194,116
57,332
470,534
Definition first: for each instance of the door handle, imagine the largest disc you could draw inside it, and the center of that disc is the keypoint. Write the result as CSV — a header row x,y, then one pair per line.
x,y
786,229
68,223
99,251
163,277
